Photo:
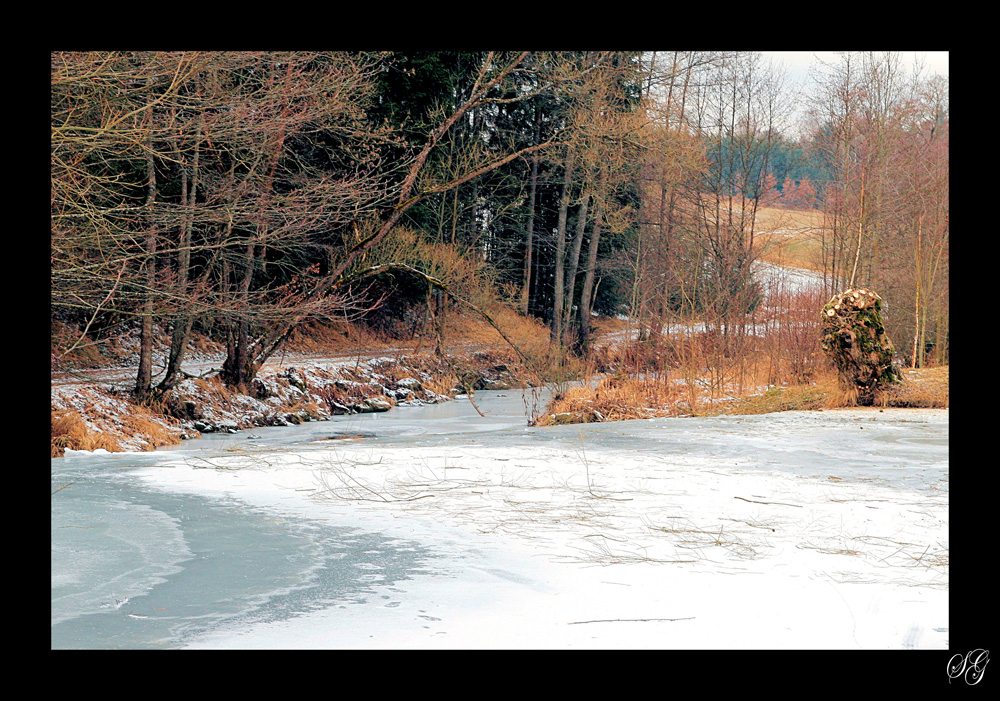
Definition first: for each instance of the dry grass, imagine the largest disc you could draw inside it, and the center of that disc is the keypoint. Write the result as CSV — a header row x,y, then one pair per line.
x,y
790,237
789,221
818,394
94,418
782,369
712,370
334,337
70,430
530,336
441,384
925,388
638,398
615,398
155,428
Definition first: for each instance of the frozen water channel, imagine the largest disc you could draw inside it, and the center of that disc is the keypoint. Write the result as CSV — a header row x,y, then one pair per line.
x,y
435,527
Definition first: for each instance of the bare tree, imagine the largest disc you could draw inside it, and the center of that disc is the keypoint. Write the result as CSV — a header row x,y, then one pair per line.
x,y
246,201
490,86
885,134
106,141
715,120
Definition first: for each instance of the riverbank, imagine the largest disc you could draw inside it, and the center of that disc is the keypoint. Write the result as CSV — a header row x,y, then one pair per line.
x,y
616,397
103,416
324,370
301,388
328,372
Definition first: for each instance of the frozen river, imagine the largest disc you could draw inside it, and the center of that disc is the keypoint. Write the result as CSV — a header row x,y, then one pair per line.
x,y
435,527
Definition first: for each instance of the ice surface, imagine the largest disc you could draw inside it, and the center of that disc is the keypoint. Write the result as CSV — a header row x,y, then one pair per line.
x,y
782,531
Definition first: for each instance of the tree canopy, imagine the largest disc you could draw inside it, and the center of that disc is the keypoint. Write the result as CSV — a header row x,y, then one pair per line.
x,y
246,193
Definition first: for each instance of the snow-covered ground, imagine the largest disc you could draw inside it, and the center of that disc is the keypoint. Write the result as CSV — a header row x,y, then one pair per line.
x,y
777,282
801,530
794,280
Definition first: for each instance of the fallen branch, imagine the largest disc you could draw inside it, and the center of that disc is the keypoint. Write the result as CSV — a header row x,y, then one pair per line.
x,y
776,503
62,487
629,620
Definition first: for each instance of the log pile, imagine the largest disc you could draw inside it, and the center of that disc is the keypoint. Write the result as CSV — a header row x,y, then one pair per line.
x,y
855,339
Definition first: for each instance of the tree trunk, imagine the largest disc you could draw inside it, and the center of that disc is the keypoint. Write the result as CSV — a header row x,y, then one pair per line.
x,y
182,325
586,295
557,305
529,243
238,369
574,264
144,377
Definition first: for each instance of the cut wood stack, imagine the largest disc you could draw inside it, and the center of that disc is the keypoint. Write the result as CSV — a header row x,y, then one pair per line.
x,y
854,337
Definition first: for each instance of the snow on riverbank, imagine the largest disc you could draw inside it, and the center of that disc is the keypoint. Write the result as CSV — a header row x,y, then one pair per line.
x,y
804,530
309,390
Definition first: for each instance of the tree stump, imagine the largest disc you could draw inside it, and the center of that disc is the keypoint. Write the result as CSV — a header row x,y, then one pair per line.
x,y
854,338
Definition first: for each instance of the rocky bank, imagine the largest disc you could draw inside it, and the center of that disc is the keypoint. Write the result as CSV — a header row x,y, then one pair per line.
x,y
96,416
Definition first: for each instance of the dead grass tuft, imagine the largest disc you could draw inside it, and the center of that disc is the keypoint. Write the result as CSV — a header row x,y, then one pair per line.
x,y
615,398
70,430
922,388
155,428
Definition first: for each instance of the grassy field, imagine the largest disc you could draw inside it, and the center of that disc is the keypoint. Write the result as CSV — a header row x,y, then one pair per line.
x,y
790,237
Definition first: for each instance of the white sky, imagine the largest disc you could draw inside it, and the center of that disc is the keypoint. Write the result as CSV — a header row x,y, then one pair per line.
x,y
798,63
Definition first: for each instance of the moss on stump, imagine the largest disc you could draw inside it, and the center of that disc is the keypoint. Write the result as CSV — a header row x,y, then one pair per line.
x,y
854,338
